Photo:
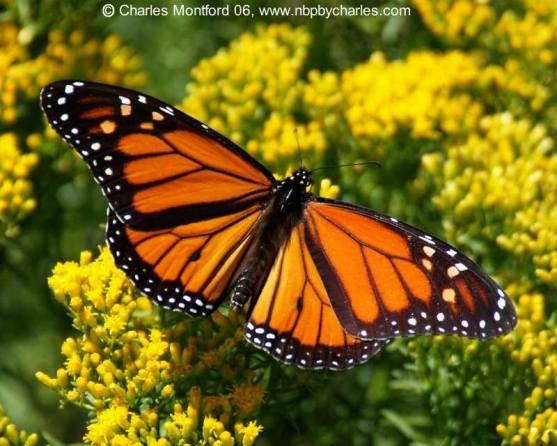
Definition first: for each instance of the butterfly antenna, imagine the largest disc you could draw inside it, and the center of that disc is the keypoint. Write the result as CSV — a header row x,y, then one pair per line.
x,y
299,148
334,166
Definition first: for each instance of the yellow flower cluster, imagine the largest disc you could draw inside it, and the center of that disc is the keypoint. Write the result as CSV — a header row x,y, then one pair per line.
x,y
531,33
10,436
383,98
536,353
501,182
22,76
16,201
507,167
251,91
456,20
135,375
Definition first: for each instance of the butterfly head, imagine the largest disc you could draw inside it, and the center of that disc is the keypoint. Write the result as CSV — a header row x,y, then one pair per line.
x,y
293,190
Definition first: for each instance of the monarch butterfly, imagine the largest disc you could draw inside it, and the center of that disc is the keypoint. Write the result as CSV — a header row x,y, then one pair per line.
x,y
192,219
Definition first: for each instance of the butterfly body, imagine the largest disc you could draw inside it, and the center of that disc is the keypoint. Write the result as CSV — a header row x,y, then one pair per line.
x,y
192,219
281,213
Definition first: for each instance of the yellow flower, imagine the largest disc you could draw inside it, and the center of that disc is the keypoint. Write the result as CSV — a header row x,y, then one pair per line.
x,y
9,434
249,433
328,190
16,201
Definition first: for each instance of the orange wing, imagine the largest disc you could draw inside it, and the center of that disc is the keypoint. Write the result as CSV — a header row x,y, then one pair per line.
x,y
157,166
187,268
183,199
292,319
385,278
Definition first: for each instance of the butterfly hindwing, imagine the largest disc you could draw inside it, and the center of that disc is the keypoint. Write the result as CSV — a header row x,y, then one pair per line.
x,y
293,320
187,268
387,279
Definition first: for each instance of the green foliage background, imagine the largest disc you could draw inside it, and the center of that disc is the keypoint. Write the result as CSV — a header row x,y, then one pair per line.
x,y
425,391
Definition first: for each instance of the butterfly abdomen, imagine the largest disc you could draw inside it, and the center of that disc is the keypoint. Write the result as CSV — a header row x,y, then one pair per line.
x,y
282,213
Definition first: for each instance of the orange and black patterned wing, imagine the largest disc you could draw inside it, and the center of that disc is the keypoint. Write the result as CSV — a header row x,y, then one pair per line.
x,y
293,320
182,198
386,279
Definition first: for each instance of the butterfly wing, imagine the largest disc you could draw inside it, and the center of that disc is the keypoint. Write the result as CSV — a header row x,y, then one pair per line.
x,y
387,279
157,166
292,319
183,199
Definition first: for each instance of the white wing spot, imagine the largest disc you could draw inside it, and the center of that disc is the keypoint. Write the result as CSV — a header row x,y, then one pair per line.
x,y
501,303
167,109
427,238
440,317
412,321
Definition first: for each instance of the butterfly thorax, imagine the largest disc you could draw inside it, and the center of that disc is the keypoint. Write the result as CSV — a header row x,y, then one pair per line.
x,y
281,214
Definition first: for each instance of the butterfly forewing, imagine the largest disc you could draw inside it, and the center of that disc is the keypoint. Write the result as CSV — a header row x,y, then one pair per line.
x,y
407,281
157,166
